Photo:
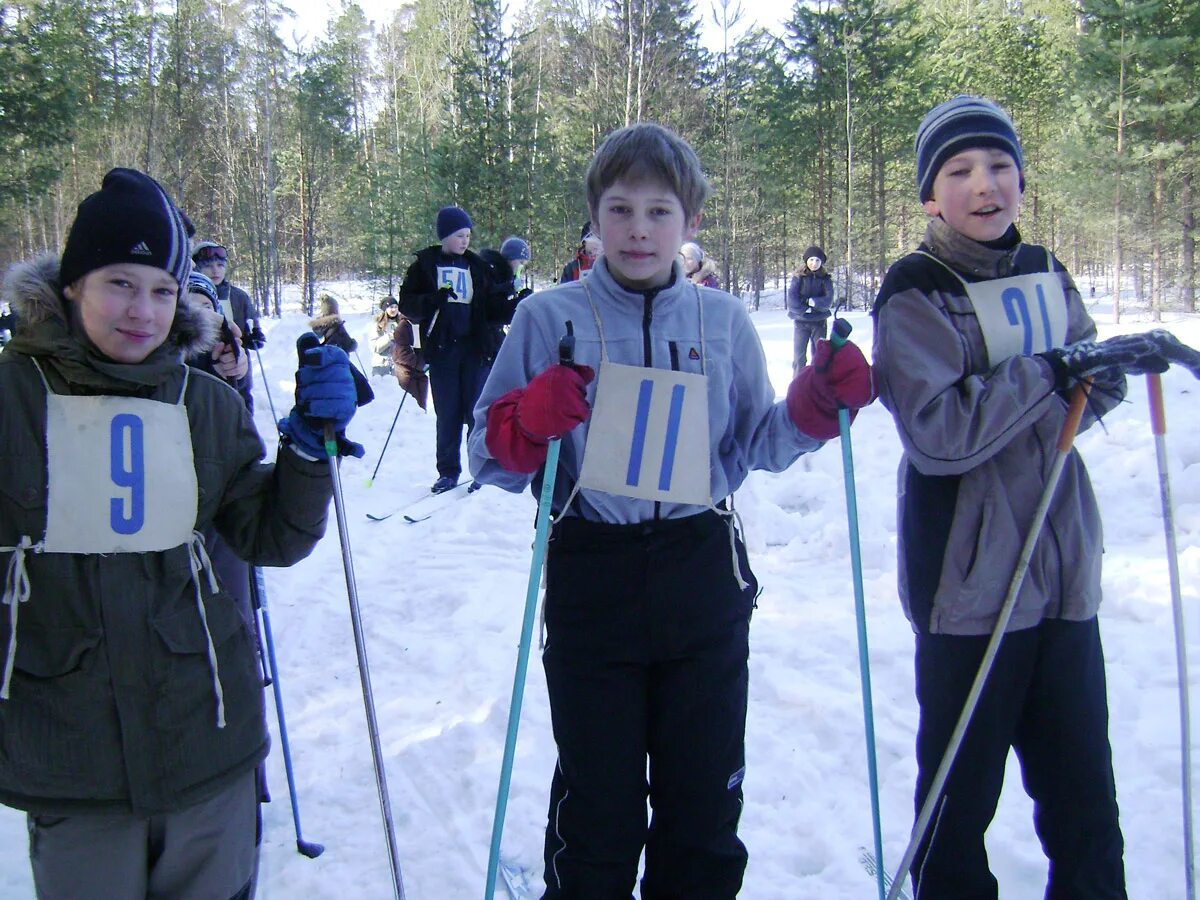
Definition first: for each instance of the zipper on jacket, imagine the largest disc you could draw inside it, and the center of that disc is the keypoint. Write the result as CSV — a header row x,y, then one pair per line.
x,y
648,359
674,348
647,317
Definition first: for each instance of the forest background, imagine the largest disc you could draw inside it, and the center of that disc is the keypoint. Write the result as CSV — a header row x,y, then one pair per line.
x,y
328,157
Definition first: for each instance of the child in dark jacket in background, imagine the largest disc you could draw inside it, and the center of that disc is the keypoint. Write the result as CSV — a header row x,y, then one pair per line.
x,y
330,327
451,295
979,404
809,300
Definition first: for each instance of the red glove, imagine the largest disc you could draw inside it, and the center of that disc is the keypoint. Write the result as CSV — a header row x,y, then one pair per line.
x,y
838,378
521,424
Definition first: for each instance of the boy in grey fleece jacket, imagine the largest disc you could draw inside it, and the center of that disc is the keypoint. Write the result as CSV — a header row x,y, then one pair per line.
x,y
961,328
648,592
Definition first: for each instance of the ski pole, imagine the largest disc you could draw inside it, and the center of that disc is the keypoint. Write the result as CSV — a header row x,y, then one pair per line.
x,y
311,849
307,341
841,333
1158,422
1066,439
267,388
371,480
263,661
566,355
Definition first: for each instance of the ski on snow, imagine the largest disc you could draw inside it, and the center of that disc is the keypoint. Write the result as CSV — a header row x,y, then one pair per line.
x,y
867,859
423,507
517,881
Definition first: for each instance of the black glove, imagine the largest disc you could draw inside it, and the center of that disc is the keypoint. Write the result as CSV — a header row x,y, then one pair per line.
x,y
522,294
444,294
1130,354
253,339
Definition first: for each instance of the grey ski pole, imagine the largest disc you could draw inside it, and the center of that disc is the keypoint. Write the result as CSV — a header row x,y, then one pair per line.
x,y
267,388
1066,439
566,355
307,341
311,849
1158,422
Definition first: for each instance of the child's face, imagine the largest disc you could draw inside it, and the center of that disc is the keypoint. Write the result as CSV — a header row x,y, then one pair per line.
x,y
977,192
456,244
642,225
813,263
126,309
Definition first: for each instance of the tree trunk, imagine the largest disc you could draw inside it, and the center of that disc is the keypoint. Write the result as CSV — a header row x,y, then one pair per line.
x,y
1187,249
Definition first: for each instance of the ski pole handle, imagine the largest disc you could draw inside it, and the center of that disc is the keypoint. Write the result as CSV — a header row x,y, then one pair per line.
x,y
566,346
1158,412
840,333
228,340
1075,409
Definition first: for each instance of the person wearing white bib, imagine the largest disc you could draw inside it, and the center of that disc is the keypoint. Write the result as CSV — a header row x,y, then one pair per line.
x,y
965,339
131,708
662,413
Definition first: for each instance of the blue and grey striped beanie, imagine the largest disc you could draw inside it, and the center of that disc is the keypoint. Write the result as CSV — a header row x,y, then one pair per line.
x,y
960,124
129,220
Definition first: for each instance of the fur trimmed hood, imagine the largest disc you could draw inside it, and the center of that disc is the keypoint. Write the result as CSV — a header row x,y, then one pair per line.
x,y
31,288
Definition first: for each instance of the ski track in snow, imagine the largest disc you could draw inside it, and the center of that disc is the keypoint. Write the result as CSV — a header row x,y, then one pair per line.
x,y
441,604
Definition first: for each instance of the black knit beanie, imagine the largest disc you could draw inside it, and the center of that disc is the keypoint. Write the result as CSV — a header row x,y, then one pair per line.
x,y
451,219
129,220
816,251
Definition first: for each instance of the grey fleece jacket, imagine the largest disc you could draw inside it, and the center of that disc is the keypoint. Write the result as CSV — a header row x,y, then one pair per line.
x,y
748,428
979,442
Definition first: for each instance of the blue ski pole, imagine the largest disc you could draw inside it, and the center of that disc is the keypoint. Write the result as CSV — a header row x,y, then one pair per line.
x,y
566,355
841,333
311,849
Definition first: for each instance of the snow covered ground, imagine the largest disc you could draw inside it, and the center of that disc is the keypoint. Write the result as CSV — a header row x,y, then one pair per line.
x,y
441,605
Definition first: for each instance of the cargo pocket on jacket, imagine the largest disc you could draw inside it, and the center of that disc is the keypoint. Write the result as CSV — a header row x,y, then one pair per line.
x,y
57,702
187,697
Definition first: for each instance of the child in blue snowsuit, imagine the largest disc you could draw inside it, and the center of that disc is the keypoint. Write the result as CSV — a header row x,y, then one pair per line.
x,y
979,402
662,413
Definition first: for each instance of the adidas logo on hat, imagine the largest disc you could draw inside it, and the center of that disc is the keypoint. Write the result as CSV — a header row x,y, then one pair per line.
x,y
140,249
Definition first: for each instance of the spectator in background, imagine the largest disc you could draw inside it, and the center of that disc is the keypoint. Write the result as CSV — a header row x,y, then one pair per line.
x,y
385,331
809,301
330,327
586,254
697,267
212,259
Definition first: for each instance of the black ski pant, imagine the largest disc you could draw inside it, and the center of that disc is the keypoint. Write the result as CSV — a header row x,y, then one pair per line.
x,y
646,666
1046,698
456,376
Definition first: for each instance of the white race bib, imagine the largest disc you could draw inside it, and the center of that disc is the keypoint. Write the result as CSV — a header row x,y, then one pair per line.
x,y
648,435
121,475
1021,315
458,280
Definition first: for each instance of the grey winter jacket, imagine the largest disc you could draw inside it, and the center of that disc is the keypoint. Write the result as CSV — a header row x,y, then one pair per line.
x,y
748,428
979,442
112,704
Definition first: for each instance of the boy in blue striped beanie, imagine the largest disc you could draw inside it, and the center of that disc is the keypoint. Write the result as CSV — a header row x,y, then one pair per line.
x,y
964,333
